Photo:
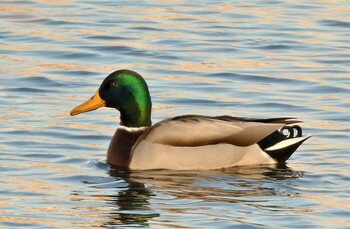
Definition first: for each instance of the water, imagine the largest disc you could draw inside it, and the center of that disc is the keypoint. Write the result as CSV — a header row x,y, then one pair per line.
x,y
255,59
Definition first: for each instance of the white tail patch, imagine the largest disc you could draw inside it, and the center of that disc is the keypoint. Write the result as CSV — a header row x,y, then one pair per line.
x,y
286,143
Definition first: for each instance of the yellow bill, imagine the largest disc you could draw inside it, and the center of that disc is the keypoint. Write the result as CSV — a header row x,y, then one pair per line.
x,y
92,104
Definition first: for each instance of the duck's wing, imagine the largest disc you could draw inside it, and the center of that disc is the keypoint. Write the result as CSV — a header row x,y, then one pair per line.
x,y
201,142
194,130
281,120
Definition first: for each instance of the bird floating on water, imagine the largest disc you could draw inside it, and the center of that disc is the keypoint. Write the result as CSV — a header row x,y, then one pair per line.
x,y
188,142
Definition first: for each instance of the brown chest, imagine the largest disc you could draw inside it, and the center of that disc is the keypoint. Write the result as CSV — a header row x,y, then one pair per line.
x,y
119,150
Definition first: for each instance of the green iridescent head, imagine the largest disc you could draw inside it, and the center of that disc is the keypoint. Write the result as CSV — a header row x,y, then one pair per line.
x,y
126,91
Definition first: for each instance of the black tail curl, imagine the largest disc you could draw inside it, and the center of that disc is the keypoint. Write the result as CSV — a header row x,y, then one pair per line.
x,y
286,132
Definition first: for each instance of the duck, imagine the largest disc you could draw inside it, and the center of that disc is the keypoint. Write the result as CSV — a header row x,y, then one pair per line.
x,y
186,142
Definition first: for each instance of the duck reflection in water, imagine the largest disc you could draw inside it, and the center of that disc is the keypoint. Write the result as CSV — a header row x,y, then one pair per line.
x,y
133,207
233,185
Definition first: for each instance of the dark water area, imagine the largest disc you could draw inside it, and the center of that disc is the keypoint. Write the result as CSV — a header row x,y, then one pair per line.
x,y
254,59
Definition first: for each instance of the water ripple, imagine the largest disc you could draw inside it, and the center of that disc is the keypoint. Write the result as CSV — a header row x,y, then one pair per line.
x,y
335,23
256,59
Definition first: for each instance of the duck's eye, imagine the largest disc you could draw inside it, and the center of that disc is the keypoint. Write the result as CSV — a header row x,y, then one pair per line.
x,y
112,84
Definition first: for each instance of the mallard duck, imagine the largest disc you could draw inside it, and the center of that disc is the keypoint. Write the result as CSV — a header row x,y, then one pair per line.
x,y
186,142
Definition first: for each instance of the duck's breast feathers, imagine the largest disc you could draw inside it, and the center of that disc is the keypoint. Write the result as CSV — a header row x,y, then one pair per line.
x,y
197,130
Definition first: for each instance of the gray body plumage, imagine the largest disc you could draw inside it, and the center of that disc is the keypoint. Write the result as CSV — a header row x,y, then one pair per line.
x,y
202,142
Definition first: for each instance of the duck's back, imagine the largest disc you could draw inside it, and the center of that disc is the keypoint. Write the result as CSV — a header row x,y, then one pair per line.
x,y
201,142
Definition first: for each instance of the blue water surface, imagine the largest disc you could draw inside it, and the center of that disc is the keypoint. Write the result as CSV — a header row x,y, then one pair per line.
x,y
254,58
